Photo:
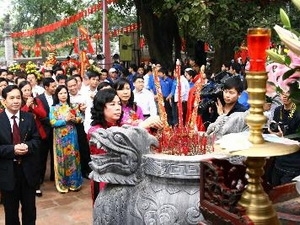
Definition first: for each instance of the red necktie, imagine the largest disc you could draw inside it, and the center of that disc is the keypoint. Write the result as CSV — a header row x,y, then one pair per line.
x,y
16,132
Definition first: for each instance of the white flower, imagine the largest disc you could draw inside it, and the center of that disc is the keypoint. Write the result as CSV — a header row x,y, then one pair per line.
x,y
289,39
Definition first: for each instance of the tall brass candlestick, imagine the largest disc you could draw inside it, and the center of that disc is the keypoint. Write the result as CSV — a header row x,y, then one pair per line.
x,y
256,90
256,202
258,40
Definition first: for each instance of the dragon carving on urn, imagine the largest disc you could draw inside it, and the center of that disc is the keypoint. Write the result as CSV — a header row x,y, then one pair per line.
x,y
140,190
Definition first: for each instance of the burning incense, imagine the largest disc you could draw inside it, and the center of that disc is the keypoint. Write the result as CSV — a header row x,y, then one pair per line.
x,y
160,100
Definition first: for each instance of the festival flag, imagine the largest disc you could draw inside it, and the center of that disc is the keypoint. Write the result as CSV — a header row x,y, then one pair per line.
x,y
49,46
76,46
37,49
20,49
84,62
90,48
83,31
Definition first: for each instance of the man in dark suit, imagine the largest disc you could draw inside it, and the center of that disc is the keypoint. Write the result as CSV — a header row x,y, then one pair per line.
x,y
19,159
47,143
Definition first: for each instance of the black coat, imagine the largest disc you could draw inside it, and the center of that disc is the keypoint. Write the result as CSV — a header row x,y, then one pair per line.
x,y
30,161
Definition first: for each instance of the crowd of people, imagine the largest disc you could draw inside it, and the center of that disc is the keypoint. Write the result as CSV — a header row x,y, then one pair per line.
x,y
66,108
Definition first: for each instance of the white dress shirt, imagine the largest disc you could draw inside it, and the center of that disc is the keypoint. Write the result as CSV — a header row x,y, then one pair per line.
x,y
146,81
49,99
37,90
88,93
77,99
145,100
185,88
9,115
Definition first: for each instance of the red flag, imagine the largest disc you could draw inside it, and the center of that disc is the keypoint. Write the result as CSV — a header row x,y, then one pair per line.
x,y
76,47
37,49
90,48
20,49
83,31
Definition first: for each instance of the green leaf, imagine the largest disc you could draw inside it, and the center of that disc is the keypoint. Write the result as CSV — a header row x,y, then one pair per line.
x,y
186,18
287,60
169,5
275,57
285,19
196,3
278,89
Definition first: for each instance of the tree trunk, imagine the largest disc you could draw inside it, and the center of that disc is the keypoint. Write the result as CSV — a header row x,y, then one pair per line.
x,y
223,53
161,33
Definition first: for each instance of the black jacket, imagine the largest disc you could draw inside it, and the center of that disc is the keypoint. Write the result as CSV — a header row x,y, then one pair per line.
x,y
30,161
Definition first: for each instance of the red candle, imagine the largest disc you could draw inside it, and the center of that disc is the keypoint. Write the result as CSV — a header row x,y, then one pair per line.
x,y
258,41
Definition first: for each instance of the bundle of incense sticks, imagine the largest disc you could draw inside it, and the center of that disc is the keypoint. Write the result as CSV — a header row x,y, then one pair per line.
x,y
160,101
193,121
181,142
179,103
181,139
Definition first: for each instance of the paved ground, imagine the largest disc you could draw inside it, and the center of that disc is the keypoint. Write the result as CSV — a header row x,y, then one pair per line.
x,y
66,209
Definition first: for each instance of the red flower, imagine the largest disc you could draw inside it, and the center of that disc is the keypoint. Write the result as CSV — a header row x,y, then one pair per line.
x,y
133,115
73,111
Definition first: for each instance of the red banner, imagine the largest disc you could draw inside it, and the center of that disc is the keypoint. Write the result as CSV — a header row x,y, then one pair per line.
x,y
59,24
74,41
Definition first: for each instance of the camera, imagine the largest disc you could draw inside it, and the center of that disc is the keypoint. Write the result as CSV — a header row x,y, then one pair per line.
x,y
274,127
212,91
269,99
209,95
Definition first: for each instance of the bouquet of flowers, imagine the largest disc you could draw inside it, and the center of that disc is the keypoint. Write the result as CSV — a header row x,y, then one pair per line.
x,y
288,77
15,67
31,68
93,66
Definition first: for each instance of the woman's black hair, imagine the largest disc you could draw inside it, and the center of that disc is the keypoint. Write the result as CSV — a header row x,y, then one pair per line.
x,y
104,84
119,85
102,97
55,97
21,85
191,72
3,79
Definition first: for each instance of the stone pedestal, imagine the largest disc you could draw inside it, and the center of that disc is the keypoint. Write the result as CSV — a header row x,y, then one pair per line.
x,y
167,194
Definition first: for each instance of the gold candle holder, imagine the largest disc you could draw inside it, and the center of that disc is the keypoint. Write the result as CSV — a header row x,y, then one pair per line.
x,y
258,40
254,199
256,90
256,202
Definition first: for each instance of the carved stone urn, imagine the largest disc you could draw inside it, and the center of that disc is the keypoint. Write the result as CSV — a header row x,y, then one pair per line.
x,y
143,188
